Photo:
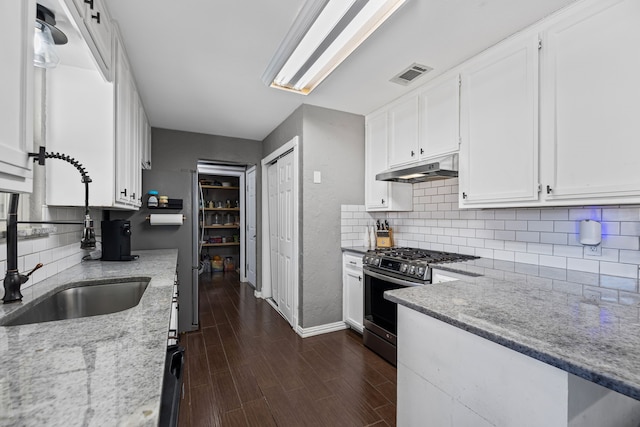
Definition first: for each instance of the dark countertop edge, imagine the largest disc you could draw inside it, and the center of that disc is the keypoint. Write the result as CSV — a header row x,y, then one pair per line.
x,y
356,249
615,384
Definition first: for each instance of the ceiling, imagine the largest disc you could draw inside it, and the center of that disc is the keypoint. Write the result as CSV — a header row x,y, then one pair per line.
x,y
198,63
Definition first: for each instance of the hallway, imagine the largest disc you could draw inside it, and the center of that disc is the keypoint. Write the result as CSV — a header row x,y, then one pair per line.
x,y
247,367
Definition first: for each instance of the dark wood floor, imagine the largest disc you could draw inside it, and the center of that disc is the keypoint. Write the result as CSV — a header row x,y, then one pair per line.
x,y
246,367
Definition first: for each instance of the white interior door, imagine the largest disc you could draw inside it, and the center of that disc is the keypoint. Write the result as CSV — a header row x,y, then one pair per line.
x,y
285,236
251,226
272,178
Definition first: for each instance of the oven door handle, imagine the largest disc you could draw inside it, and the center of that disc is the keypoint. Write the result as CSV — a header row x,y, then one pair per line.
x,y
390,279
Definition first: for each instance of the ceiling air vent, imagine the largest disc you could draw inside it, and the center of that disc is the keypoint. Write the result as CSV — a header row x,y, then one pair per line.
x,y
410,73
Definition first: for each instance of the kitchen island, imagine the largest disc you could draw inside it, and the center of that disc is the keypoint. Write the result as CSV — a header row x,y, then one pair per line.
x,y
100,370
489,351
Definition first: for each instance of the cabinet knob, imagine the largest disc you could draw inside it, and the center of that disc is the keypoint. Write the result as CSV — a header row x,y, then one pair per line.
x,y
96,17
90,3
549,190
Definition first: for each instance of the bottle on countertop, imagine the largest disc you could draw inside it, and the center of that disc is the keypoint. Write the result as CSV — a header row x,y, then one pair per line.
x,y
152,202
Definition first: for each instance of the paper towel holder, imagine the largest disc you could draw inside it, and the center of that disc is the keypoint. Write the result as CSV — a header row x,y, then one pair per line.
x,y
590,232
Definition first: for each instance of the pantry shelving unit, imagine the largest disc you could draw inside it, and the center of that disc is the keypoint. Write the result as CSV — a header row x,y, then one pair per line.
x,y
220,226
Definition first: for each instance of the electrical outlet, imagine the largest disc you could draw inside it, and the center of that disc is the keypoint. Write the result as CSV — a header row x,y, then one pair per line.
x,y
591,251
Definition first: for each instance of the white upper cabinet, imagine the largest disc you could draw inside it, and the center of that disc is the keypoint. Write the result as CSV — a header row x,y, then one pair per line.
x,y
380,195
499,125
101,125
439,117
403,132
95,26
590,103
16,99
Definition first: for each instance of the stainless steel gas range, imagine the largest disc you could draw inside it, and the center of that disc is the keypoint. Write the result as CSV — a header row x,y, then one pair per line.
x,y
394,268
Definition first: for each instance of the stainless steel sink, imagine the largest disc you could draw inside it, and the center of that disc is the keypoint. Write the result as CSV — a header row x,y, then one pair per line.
x,y
83,300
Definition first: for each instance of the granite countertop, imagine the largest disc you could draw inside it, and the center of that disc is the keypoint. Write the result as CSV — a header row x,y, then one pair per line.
x,y
356,249
100,370
593,339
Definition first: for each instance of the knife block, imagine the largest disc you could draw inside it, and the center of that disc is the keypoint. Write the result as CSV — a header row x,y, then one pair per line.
x,y
384,238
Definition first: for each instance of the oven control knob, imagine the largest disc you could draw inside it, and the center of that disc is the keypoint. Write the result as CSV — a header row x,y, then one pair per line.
x,y
365,260
412,269
375,261
420,271
403,268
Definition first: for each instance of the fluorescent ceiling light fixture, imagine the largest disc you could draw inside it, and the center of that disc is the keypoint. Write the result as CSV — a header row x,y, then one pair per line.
x,y
323,35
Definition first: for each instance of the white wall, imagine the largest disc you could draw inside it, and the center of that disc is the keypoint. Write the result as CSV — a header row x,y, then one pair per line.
x,y
546,238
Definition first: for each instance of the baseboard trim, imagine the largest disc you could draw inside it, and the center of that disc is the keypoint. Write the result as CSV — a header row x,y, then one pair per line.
x,y
257,294
321,329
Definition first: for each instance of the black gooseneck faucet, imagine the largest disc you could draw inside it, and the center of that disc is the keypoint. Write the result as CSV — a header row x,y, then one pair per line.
x,y
13,280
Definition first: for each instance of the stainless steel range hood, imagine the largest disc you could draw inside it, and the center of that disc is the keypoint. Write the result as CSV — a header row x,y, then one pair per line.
x,y
431,170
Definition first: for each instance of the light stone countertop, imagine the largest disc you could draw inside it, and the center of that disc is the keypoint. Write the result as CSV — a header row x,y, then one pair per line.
x,y
356,249
103,370
593,339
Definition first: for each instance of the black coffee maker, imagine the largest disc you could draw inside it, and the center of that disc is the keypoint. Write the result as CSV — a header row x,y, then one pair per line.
x,y
116,240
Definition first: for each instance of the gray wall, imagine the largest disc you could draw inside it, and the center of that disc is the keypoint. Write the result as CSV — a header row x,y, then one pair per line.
x,y
174,156
331,142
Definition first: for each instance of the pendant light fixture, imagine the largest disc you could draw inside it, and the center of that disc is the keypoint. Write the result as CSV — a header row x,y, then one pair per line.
x,y
46,36
323,35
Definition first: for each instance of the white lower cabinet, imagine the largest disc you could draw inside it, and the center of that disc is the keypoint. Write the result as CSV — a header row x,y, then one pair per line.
x,y
16,99
353,295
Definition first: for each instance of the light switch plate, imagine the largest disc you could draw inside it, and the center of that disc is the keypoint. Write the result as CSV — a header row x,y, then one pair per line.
x,y
317,177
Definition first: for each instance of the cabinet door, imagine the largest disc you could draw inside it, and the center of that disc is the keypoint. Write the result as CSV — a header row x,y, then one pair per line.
x,y
353,291
99,25
403,132
376,192
499,149
590,102
16,101
124,127
439,118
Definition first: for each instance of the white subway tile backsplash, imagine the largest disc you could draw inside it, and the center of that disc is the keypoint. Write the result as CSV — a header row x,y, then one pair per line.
x,y
528,236
620,283
539,248
505,235
515,225
578,214
528,214
546,226
554,238
617,269
527,258
629,228
621,214
621,242
568,251
553,261
555,214
505,214
485,234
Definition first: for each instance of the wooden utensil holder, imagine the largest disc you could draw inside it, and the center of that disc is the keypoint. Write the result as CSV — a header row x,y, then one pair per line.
x,y
384,238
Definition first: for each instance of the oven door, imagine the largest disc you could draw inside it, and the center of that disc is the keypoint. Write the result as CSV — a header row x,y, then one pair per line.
x,y
381,315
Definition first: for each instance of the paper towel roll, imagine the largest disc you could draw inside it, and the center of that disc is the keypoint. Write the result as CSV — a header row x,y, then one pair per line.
x,y
165,219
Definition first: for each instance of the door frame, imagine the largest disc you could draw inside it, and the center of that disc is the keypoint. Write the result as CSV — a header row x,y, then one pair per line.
x,y
251,256
266,290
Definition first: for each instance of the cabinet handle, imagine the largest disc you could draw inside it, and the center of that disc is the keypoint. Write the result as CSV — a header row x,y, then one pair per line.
x,y
90,3
549,190
421,151
352,262
96,17
133,196
464,195
124,193
412,153
359,278
383,201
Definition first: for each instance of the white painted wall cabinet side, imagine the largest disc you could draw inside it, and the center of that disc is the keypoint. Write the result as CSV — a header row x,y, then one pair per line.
x,y
439,117
94,23
380,195
145,145
403,131
16,102
590,103
499,125
353,291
